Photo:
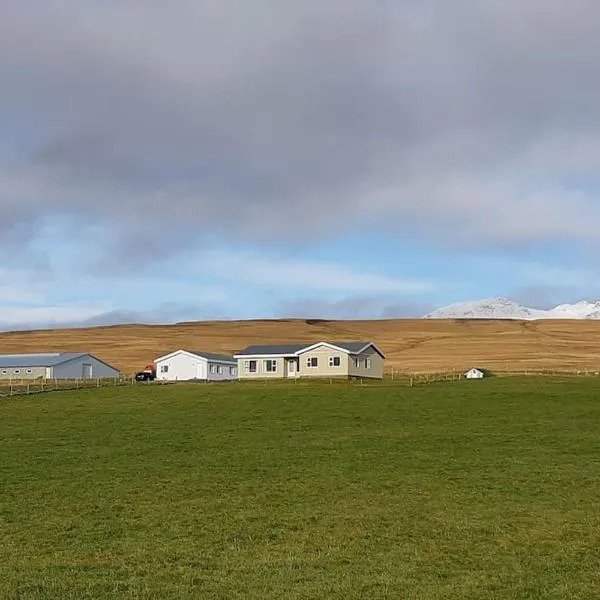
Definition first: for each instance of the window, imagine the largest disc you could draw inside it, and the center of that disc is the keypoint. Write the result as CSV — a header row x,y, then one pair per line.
x,y
335,361
232,370
29,371
312,362
4,372
220,369
271,365
357,363
367,363
250,366
17,371
213,369
164,368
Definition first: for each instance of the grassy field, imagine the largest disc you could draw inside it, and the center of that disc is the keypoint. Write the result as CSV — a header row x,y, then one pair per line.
x,y
463,490
411,345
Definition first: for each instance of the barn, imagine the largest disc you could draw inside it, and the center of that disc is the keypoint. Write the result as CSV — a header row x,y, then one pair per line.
x,y
475,373
195,365
55,365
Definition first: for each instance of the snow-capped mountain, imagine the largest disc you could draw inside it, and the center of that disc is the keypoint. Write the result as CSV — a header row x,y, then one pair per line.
x,y
502,308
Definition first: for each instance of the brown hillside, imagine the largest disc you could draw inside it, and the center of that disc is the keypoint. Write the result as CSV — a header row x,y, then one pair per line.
x,y
411,345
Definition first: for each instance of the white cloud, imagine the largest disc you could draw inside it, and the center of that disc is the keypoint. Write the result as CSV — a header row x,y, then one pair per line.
x,y
532,272
285,273
21,286
356,307
14,316
17,295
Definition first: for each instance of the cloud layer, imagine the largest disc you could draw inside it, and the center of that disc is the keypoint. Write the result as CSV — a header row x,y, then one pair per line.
x,y
155,124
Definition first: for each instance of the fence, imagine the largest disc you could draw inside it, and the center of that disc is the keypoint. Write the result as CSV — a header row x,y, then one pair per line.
x,y
18,387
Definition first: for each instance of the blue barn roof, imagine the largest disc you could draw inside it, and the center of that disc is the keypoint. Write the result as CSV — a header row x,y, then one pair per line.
x,y
38,360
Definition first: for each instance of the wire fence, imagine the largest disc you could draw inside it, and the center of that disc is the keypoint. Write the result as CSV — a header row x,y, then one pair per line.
x,y
392,377
19,387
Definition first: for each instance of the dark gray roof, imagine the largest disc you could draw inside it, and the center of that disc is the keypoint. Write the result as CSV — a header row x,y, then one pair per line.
x,y
259,349
213,356
37,360
284,349
355,347
351,346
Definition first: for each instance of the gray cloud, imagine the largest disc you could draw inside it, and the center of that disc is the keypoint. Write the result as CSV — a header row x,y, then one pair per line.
x,y
549,296
471,124
166,313
355,307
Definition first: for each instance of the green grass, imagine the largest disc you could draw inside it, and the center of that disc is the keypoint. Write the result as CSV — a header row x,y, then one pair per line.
x,y
473,490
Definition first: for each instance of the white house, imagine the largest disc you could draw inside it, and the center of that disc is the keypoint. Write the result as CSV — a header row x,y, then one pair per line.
x,y
193,365
474,374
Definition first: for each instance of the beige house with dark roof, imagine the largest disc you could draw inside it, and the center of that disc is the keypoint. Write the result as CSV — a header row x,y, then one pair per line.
x,y
320,359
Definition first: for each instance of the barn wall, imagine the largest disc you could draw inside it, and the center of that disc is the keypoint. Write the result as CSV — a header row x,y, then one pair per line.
x,y
73,369
9,372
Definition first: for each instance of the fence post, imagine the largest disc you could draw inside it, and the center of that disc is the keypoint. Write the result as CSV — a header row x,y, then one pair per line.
x,y
28,389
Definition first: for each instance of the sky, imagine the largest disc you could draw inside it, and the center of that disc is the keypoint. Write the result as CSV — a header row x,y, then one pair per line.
x,y
218,159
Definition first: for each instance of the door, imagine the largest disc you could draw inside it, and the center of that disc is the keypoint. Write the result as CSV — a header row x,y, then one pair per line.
x,y
292,370
86,371
201,370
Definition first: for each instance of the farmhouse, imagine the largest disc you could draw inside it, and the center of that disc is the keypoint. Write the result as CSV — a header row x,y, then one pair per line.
x,y
320,359
57,365
189,365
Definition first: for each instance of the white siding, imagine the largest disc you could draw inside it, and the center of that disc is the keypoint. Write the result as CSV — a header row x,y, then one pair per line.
x,y
183,366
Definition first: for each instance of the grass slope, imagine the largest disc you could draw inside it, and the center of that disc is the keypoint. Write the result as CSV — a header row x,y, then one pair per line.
x,y
468,490
410,345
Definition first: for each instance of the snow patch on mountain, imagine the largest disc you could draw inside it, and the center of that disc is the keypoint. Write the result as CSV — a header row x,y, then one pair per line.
x,y
503,308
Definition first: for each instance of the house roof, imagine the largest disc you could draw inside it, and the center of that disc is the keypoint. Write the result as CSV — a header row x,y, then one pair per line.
x,y
352,347
212,356
37,360
292,349
260,349
201,354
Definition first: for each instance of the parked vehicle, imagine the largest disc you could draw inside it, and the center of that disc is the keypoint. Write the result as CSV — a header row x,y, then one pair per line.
x,y
148,374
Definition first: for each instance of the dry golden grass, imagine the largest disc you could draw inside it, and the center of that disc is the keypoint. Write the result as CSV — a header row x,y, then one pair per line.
x,y
411,345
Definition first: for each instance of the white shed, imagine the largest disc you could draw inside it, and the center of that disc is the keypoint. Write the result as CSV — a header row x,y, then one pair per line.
x,y
194,365
474,374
